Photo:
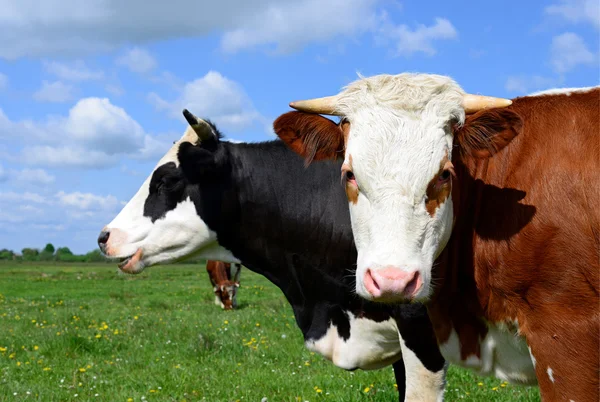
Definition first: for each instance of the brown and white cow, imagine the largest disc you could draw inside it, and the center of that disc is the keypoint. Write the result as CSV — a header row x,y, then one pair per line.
x,y
225,280
487,210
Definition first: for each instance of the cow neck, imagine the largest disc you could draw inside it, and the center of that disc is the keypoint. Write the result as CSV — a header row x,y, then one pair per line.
x,y
291,223
457,305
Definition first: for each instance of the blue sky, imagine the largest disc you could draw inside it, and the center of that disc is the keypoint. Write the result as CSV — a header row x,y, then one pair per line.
x,y
91,91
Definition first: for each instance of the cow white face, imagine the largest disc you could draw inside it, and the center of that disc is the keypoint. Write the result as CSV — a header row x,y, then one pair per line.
x,y
398,169
396,137
162,223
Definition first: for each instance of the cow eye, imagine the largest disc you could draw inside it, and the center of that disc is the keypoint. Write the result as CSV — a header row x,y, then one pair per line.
x,y
445,176
350,176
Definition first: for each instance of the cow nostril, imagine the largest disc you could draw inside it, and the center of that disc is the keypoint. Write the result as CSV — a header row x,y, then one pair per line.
x,y
103,238
414,284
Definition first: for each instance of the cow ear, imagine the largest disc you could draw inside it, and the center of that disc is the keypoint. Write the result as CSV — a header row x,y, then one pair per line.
x,y
487,132
312,136
195,160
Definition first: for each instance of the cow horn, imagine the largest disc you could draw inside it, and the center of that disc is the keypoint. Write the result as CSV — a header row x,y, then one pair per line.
x,y
475,103
324,105
200,127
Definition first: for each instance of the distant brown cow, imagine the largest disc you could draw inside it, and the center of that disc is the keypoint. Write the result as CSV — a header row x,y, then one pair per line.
x,y
225,281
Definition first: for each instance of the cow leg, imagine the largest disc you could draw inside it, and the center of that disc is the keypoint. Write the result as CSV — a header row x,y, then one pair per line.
x,y
400,374
566,356
217,297
424,364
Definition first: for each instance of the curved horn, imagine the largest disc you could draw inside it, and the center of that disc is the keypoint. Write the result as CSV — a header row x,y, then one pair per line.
x,y
324,105
475,103
200,127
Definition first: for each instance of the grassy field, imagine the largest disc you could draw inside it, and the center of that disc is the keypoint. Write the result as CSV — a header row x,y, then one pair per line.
x,y
89,333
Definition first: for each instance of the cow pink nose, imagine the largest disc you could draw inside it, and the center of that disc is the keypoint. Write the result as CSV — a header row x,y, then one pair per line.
x,y
392,283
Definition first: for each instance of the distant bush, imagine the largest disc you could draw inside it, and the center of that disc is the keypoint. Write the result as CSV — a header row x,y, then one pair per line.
x,y
64,254
30,254
95,256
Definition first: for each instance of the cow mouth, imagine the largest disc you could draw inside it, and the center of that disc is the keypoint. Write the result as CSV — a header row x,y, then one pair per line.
x,y
132,264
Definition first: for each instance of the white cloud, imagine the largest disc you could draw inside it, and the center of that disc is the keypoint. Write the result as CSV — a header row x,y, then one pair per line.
x,y
76,71
3,81
70,28
523,84
13,197
95,134
87,201
213,96
56,92
137,60
576,11
31,176
56,211
419,40
102,126
66,156
569,51
290,26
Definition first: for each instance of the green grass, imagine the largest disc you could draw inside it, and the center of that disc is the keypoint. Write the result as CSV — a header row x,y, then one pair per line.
x,y
90,333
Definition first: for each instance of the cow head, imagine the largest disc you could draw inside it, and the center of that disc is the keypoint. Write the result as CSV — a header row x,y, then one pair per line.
x,y
162,222
398,136
226,293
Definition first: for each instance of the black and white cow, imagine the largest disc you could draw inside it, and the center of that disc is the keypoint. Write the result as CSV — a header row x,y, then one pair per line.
x,y
259,204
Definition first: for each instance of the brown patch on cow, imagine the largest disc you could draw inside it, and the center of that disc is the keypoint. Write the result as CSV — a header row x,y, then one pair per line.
x,y
487,132
526,240
310,135
351,189
437,193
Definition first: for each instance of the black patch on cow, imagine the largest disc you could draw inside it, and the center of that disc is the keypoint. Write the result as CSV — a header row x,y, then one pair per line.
x,y
167,187
290,223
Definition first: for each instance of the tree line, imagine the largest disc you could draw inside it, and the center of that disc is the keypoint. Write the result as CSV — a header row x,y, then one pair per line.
x,y
50,253
60,254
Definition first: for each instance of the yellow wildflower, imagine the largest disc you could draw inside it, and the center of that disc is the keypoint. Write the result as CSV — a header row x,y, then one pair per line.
x,y
98,336
82,370
367,390
3,349
46,369
480,384
135,317
12,355
36,347
495,389
18,364
116,332
129,399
